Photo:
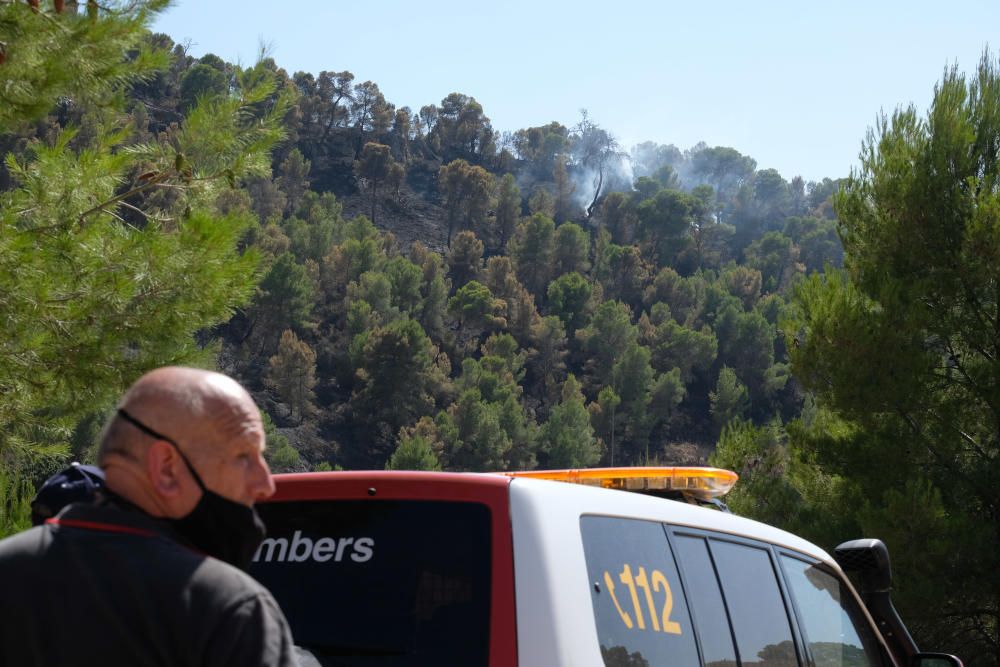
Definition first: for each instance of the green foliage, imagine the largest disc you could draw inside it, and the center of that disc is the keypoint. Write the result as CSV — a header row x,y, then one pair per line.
x,y
532,251
563,208
744,282
709,238
570,300
508,209
567,438
465,259
572,249
730,399
473,436
541,145
679,293
632,379
279,454
775,257
414,453
548,352
405,280
607,337
691,352
202,82
622,272
15,502
619,217
49,55
375,289
285,297
395,374
222,140
433,290
665,396
487,428
605,419
817,241
462,129
294,182
292,374
467,190
474,305
746,344
726,168
113,255
375,165
665,219
759,455
903,344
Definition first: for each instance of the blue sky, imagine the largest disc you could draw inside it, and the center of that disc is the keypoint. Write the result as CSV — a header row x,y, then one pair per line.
x,y
794,85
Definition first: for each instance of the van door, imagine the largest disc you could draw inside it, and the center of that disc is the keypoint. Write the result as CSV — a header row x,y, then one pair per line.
x,y
776,608
639,605
665,595
381,582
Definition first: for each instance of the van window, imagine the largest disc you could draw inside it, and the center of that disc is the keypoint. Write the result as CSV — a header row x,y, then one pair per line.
x,y
639,607
381,582
760,621
706,601
836,631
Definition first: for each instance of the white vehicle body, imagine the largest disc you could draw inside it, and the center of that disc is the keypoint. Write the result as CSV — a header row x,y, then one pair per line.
x,y
388,568
555,620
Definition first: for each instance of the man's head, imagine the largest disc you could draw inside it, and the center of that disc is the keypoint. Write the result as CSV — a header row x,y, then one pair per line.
x,y
214,423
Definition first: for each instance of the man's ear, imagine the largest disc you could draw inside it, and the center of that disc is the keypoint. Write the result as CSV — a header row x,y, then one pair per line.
x,y
163,467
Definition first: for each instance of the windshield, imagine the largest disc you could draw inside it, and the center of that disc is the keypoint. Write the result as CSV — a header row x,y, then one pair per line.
x,y
836,631
380,582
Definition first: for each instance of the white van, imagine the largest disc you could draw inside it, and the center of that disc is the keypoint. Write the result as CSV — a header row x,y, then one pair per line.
x,y
462,569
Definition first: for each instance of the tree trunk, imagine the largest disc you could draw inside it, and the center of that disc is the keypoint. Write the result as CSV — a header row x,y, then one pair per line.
x,y
597,193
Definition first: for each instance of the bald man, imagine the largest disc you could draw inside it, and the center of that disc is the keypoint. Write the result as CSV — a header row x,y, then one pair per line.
x,y
152,573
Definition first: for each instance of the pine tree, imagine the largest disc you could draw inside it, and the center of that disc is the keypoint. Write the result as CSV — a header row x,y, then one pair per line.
x,y
102,276
414,453
902,348
47,55
508,210
532,251
730,400
564,208
605,414
292,374
374,165
567,437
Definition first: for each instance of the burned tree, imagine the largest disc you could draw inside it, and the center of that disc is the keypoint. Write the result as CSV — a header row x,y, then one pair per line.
x,y
595,149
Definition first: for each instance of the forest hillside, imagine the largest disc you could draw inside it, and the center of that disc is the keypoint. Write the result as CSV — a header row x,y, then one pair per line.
x,y
410,288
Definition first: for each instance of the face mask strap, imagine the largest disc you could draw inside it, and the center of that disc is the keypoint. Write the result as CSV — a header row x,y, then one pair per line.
x,y
159,436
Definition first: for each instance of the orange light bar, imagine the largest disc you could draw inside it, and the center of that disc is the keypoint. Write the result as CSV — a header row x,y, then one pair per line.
x,y
698,482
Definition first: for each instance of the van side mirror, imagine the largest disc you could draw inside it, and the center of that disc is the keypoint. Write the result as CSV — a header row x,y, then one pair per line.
x,y
868,559
935,660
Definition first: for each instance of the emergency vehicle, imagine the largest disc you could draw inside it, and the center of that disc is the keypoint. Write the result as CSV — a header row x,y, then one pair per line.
x,y
463,569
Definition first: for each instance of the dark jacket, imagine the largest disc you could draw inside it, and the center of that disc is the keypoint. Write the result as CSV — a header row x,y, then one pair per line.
x,y
105,585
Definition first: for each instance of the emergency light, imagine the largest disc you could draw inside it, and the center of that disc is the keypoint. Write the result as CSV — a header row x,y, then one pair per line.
x,y
699,482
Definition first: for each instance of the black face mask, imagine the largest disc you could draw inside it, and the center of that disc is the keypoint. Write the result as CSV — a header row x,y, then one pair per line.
x,y
225,529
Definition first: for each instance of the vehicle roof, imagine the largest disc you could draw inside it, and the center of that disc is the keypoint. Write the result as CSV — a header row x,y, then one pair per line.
x,y
557,500
351,483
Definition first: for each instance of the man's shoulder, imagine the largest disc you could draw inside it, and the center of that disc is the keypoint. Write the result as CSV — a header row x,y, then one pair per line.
x,y
26,544
214,574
